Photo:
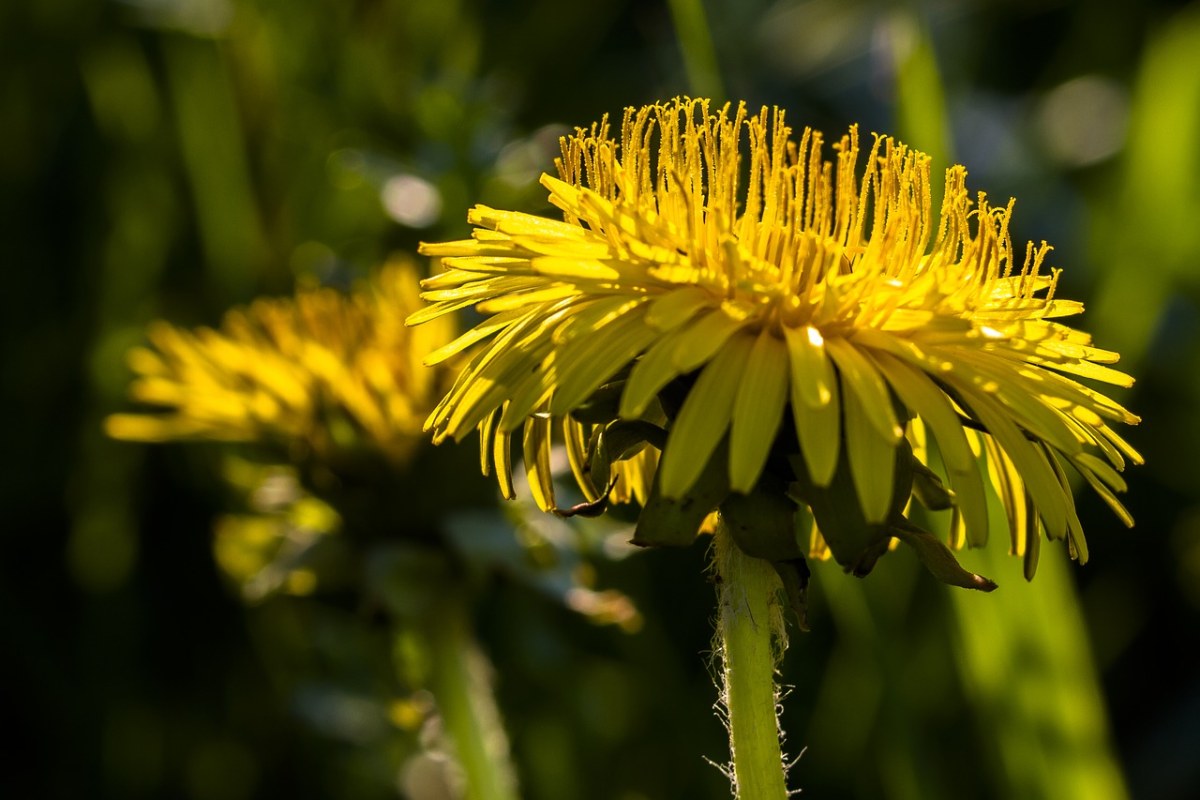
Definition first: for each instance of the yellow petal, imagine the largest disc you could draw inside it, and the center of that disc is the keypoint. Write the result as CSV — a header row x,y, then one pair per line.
x,y
573,248
512,356
487,441
529,391
705,337
575,268
862,379
1078,543
573,360
757,410
1012,493
817,428
480,332
813,380
588,316
1102,470
144,361
519,223
1122,445
704,418
502,459
673,308
432,312
654,370
872,459
1107,494
459,247
536,451
489,287
588,361
1023,392
1030,464
576,447
490,387
493,305
659,365
922,397
141,428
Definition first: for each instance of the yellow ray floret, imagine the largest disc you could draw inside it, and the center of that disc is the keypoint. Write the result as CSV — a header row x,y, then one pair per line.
x,y
781,288
318,371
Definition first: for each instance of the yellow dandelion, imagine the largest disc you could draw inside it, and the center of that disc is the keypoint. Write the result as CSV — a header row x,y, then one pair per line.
x,y
320,371
722,292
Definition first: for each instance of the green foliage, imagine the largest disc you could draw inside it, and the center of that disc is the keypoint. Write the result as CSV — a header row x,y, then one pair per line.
x,y
171,159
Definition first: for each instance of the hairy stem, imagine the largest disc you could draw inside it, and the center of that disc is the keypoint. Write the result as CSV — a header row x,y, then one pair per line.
x,y
751,641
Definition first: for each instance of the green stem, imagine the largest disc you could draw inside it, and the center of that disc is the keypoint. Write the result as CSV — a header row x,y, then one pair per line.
x,y
461,678
752,639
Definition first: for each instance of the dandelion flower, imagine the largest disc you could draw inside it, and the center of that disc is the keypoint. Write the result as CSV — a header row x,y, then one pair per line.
x,y
320,371
731,296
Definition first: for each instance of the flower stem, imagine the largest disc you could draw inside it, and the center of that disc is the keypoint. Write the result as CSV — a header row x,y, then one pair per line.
x,y
461,678
752,640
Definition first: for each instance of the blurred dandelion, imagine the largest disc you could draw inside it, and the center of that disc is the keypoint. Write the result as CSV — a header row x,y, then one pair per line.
x,y
320,372
334,384
710,273
324,380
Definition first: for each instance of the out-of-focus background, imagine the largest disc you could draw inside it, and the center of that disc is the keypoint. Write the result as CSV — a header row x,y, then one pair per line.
x,y
172,158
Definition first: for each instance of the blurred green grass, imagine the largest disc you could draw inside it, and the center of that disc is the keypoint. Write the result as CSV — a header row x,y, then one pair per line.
x,y
172,158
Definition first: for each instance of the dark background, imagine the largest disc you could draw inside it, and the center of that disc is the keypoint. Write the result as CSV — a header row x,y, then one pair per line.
x,y
170,158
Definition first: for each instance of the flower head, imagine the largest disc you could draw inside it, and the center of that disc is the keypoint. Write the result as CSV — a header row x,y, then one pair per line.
x,y
717,278
320,371
331,376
